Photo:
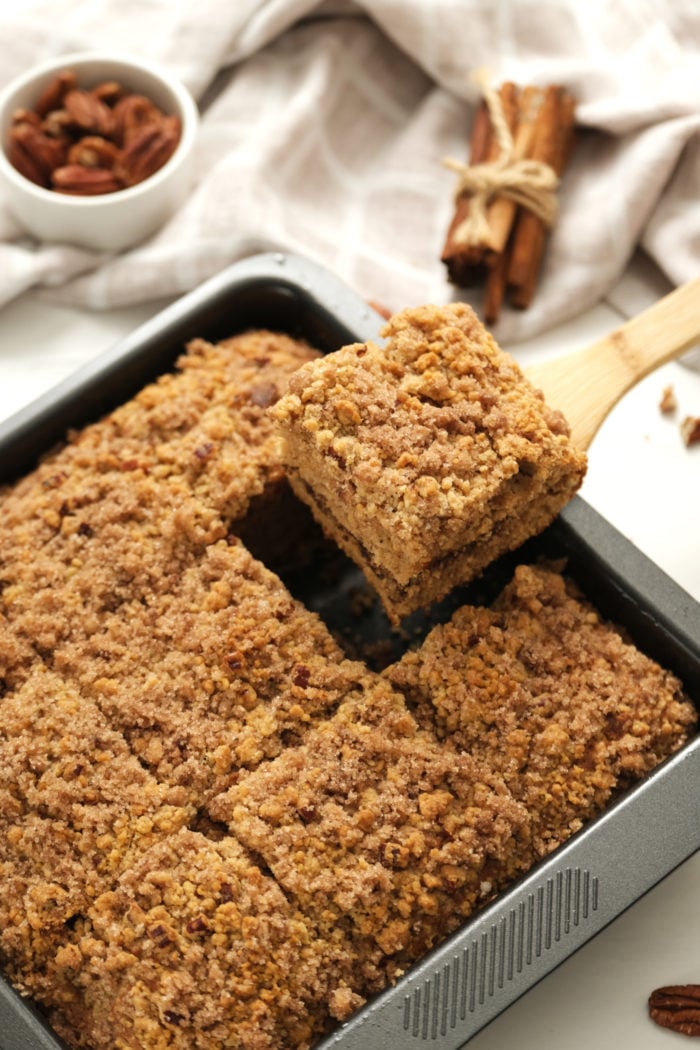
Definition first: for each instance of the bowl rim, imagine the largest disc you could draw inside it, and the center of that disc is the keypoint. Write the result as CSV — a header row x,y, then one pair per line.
x,y
188,112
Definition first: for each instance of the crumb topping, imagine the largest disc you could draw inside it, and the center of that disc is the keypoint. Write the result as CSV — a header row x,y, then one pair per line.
x,y
548,694
196,947
433,422
152,484
374,826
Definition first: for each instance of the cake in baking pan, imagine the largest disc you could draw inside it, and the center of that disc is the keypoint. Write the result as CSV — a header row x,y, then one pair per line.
x,y
217,829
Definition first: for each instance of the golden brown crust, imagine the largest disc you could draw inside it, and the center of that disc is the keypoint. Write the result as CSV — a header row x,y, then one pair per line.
x,y
196,947
386,836
550,696
214,676
155,482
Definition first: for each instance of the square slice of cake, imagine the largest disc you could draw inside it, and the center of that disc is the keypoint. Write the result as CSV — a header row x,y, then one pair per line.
x,y
426,458
195,948
548,694
388,837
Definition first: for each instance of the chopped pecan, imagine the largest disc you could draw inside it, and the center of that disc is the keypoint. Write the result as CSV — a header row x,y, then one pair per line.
x,y
235,661
203,452
668,402
307,812
264,394
301,676
160,934
677,1006
54,480
198,925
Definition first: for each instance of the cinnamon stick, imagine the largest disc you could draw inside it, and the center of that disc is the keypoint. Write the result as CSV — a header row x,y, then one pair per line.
x,y
495,287
459,270
501,212
464,261
511,247
551,142
509,97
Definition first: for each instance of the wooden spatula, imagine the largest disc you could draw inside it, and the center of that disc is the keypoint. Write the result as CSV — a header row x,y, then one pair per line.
x,y
586,384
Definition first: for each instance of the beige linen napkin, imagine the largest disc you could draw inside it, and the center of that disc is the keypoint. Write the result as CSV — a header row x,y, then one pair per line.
x,y
324,128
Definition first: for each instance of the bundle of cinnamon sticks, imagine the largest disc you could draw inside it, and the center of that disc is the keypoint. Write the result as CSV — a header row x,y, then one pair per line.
x,y
508,254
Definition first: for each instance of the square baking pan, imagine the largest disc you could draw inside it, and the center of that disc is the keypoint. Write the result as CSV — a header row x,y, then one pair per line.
x,y
513,942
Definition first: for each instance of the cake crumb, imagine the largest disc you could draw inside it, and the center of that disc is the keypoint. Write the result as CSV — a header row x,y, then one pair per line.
x,y
668,403
690,430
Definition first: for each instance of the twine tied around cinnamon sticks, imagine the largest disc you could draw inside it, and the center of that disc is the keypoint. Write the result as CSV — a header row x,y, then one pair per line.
x,y
530,183
506,196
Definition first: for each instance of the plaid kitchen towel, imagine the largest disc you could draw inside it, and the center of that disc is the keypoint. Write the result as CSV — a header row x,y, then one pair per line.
x,y
325,126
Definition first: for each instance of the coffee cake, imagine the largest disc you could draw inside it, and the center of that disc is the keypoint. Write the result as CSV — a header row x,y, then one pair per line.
x,y
194,948
217,830
373,826
128,504
426,458
545,692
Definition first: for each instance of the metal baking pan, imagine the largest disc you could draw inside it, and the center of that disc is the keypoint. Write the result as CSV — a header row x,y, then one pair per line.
x,y
566,899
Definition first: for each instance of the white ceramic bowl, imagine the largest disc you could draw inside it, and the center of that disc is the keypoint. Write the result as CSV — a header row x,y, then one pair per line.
x,y
109,222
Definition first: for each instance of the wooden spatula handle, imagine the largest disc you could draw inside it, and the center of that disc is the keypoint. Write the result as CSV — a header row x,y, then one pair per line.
x,y
587,383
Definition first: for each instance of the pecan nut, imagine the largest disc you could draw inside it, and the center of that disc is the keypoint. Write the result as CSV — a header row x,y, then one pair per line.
x,y
50,153
109,92
58,124
89,113
55,91
147,152
93,151
132,114
26,116
90,141
34,154
85,182
25,164
677,1006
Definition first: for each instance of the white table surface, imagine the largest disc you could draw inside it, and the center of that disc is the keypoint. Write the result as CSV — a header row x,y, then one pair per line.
x,y
645,481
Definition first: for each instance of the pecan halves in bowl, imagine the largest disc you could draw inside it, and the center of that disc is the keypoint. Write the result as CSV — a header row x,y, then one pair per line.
x,y
677,1006
88,142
